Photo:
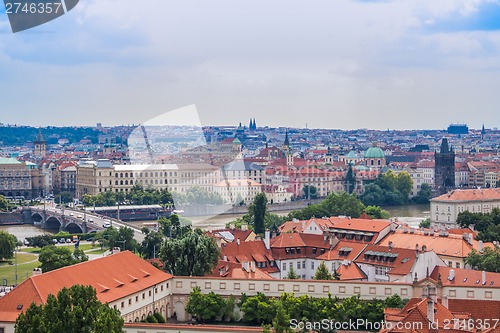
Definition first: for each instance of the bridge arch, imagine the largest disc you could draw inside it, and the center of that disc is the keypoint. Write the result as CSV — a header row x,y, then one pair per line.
x,y
37,217
73,228
53,223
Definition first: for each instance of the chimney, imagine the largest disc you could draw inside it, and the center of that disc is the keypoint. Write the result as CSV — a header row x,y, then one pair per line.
x,y
480,246
224,258
244,227
483,277
303,225
445,301
416,248
391,244
252,266
430,311
451,275
36,271
238,241
231,226
267,239
471,238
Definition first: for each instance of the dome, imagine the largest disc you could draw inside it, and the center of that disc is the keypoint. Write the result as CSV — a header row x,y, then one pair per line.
x,y
374,152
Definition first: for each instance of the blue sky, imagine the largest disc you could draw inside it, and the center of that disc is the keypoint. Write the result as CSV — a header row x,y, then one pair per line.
x,y
334,64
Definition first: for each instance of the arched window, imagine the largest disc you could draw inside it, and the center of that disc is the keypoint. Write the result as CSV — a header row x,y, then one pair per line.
x,y
126,174
121,182
121,174
126,182
116,182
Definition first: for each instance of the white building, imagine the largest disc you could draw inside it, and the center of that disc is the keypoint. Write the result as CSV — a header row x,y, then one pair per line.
x,y
445,208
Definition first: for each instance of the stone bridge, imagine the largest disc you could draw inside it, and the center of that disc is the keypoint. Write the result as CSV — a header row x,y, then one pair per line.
x,y
50,219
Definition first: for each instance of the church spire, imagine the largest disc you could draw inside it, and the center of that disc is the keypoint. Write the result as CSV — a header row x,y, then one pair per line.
x,y
287,140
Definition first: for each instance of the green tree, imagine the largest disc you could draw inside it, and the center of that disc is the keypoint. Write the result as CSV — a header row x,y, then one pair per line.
x,y
193,255
404,184
258,309
53,257
151,245
488,260
40,241
423,195
425,223
258,212
7,245
350,180
322,272
377,213
394,301
291,274
88,200
64,198
310,192
4,204
281,321
74,310
205,308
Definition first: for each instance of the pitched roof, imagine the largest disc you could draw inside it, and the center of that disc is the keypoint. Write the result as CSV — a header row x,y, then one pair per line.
x,y
465,277
248,251
235,270
374,226
400,260
299,240
352,249
113,277
484,194
452,245
351,271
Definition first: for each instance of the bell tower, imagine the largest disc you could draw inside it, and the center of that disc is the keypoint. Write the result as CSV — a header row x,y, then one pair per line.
x,y
40,145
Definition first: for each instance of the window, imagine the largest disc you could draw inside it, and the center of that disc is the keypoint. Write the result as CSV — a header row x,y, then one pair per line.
x,y
298,264
457,265
284,266
312,264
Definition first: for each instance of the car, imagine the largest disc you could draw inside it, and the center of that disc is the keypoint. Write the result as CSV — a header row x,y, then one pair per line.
x,y
79,216
54,241
26,242
71,214
62,240
68,240
106,225
91,221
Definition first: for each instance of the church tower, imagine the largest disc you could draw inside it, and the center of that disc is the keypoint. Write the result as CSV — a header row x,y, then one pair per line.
x,y
286,149
444,168
40,146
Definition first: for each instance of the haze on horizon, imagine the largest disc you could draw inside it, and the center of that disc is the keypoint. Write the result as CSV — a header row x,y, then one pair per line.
x,y
405,64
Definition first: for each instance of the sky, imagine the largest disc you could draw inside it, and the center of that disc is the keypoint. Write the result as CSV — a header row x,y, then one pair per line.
x,y
402,64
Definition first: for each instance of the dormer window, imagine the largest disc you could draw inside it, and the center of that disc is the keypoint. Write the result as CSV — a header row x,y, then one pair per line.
x,y
314,250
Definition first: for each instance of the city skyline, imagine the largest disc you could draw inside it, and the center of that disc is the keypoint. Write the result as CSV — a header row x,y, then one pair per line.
x,y
346,65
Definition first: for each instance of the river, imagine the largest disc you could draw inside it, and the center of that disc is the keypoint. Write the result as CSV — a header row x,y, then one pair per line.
x,y
411,214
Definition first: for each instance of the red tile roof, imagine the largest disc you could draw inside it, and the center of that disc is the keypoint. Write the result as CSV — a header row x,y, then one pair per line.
x,y
113,277
374,226
465,277
470,195
401,265
234,270
333,254
248,251
350,272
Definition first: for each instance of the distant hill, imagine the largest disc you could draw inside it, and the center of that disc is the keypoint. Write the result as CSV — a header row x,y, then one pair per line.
x,y
19,135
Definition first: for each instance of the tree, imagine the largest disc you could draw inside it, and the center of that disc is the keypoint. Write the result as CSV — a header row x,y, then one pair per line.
x,y
322,272
151,245
53,257
64,197
488,261
40,241
291,274
88,200
377,213
310,192
258,212
7,245
4,204
350,180
425,223
281,321
74,310
193,255
423,195
404,184
205,308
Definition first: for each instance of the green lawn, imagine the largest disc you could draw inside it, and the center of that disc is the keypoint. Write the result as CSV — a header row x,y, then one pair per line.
x,y
71,246
97,251
21,259
24,269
